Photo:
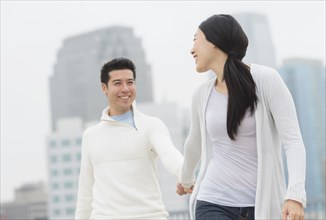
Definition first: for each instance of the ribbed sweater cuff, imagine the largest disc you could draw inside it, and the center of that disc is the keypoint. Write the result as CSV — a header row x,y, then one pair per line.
x,y
296,195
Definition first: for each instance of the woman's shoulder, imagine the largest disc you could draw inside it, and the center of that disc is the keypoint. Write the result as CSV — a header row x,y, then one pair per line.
x,y
262,71
262,74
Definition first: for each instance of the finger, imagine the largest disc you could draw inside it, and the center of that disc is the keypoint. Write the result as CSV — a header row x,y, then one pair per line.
x,y
291,216
284,215
298,216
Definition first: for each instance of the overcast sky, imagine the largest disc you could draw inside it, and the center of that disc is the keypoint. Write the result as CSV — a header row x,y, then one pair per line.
x,y
32,33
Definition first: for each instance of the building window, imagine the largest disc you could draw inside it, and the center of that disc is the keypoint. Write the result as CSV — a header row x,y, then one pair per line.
x,y
53,143
54,172
70,211
78,157
66,157
67,172
78,141
54,159
56,212
65,142
55,185
55,199
68,185
69,198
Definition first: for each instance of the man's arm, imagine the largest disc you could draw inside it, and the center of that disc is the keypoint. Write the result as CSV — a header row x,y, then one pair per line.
x,y
160,139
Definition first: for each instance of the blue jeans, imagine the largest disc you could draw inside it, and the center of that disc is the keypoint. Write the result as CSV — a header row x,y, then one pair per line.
x,y
210,211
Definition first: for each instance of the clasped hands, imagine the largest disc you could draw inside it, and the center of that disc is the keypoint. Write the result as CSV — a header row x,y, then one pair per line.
x,y
183,190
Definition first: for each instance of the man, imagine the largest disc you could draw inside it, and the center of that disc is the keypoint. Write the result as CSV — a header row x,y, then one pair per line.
x,y
119,176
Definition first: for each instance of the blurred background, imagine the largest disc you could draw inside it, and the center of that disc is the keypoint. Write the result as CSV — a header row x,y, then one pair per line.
x,y
51,55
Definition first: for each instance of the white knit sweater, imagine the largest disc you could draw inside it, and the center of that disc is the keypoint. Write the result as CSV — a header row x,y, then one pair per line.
x,y
276,124
119,176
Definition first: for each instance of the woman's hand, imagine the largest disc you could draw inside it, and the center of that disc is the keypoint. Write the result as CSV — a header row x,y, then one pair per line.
x,y
292,210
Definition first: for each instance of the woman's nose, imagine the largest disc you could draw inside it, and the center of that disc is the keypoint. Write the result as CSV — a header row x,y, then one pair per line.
x,y
192,51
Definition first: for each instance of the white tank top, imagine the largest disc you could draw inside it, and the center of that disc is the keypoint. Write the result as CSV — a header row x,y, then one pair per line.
x,y
231,176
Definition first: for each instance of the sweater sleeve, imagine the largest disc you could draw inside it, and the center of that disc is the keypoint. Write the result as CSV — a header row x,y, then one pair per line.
x,y
192,147
85,185
283,111
160,139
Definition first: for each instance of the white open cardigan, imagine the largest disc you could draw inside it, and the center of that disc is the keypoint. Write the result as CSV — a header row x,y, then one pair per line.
x,y
276,124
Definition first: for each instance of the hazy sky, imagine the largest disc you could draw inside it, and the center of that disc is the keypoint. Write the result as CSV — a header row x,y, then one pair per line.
x,y
32,33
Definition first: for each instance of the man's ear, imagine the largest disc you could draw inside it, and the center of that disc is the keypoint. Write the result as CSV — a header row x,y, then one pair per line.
x,y
104,88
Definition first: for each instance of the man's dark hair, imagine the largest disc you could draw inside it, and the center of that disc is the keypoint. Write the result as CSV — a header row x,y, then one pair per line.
x,y
116,64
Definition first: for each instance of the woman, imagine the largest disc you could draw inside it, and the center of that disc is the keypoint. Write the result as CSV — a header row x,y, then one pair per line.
x,y
239,121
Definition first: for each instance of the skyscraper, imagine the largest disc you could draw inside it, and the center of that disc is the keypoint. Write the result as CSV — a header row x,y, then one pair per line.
x,y
75,85
305,79
261,48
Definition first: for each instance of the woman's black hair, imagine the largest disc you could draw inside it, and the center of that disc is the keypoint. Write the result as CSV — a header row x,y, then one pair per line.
x,y
226,34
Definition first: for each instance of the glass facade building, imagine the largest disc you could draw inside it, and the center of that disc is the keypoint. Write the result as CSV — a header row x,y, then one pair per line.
x,y
305,79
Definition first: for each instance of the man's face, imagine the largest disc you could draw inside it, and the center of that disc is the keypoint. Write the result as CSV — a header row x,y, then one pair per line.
x,y
121,91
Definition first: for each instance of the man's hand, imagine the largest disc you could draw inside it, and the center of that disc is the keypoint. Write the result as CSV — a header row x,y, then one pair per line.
x,y
292,210
181,190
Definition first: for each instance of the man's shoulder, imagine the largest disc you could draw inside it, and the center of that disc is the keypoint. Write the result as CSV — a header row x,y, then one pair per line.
x,y
148,121
93,128
145,117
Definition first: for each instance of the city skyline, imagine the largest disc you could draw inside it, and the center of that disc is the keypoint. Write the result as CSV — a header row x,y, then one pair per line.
x,y
29,47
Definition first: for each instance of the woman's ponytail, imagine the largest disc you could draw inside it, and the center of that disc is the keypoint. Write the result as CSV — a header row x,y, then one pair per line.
x,y
241,93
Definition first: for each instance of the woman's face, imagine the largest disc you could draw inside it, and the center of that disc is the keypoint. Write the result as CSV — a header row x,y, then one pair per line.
x,y
203,52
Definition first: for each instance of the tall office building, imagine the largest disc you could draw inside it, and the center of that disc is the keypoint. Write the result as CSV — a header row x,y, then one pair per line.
x,y
30,203
305,79
261,47
75,85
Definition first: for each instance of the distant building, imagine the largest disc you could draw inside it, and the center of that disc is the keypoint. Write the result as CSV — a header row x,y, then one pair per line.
x,y
261,48
30,203
75,85
64,154
305,79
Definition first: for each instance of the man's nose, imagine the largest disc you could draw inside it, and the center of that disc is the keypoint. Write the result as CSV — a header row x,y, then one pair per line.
x,y
125,87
